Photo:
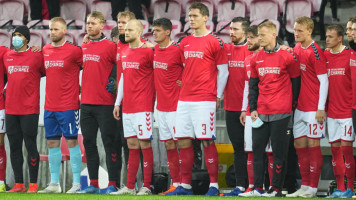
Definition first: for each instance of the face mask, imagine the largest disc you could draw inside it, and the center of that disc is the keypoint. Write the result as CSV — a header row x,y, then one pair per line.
x,y
257,123
17,42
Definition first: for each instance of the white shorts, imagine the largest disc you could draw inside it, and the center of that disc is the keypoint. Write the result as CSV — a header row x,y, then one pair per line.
x,y
196,120
248,137
166,125
2,122
138,125
340,129
305,125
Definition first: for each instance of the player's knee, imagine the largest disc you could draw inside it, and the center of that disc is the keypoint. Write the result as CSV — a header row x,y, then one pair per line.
x,y
301,143
170,144
2,139
313,142
207,143
72,143
133,143
145,144
184,143
53,143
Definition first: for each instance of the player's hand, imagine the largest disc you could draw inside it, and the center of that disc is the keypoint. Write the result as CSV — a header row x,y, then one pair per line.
x,y
36,49
243,118
148,45
86,38
320,116
179,83
254,115
111,85
286,47
116,112
217,103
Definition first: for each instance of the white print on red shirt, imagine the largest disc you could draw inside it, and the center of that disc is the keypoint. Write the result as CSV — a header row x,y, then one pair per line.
x,y
193,54
233,63
269,70
352,63
160,65
54,63
303,67
90,57
12,69
337,71
132,65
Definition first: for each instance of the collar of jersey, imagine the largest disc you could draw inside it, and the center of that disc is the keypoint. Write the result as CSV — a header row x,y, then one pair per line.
x,y
241,44
307,46
166,46
59,45
22,51
276,48
339,51
98,39
201,35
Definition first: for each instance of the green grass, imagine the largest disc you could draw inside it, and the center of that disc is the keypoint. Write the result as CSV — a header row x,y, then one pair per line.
x,y
7,196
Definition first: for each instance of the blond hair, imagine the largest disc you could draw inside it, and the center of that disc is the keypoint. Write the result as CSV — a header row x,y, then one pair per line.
x,y
137,23
269,25
58,19
98,15
305,21
126,13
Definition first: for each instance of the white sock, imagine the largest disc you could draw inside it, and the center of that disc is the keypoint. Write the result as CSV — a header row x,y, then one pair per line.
x,y
186,186
175,184
251,186
304,187
215,185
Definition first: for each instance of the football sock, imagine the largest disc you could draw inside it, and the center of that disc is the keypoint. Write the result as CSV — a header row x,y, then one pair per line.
x,y
338,167
212,162
54,159
75,163
270,167
316,163
147,166
186,162
304,165
251,176
173,164
350,165
2,162
132,167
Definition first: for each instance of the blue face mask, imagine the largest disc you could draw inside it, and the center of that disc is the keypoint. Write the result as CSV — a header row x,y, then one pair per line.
x,y
17,42
257,123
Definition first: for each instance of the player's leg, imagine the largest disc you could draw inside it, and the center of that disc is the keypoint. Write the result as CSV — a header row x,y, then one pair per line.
x,y
29,127
107,125
89,127
2,151
235,131
14,134
347,138
279,141
248,149
166,124
269,155
53,136
69,123
118,145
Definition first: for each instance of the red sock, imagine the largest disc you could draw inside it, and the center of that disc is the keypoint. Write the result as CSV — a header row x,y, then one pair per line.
x,y
338,167
94,182
316,162
350,165
270,167
186,162
173,164
212,162
112,183
2,162
304,165
251,175
132,167
147,167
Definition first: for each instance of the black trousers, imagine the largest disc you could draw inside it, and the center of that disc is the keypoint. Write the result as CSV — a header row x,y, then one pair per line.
x,y
290,180
235,131
276,131
93,117
120,143
23,128
36,9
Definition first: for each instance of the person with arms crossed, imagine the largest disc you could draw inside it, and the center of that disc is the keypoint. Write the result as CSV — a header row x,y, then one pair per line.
x,y
168,68
274,86
3,51
136,92
97,103
309,117
22,106
62,61
203,82
340,130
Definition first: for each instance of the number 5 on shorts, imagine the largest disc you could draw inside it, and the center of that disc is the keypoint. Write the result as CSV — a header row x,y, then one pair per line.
x,y
140,130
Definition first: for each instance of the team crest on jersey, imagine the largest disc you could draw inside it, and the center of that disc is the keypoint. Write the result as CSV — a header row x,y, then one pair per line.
x,y
193,54
12,69
268,70
303,67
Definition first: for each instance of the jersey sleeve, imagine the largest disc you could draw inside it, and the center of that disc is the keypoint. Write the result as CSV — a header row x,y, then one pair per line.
x,y
254,73
112,53
293,65
220,54
181,47
319,62
79,57
40,60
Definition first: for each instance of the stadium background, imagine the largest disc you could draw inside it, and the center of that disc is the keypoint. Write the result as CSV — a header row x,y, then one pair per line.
x,y
17,12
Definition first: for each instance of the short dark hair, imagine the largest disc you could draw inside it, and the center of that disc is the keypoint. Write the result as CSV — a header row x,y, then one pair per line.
x,y
338,28
244,22
252,29
114,32
165,23
351,19
204,10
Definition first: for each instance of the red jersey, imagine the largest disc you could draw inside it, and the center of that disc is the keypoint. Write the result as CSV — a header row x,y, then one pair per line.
x,y
168,68
98,61
247,76
24,75
312,63
62,65
340,87
121,45
3,51
235,85
353,77
201,55
274,71
137,67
